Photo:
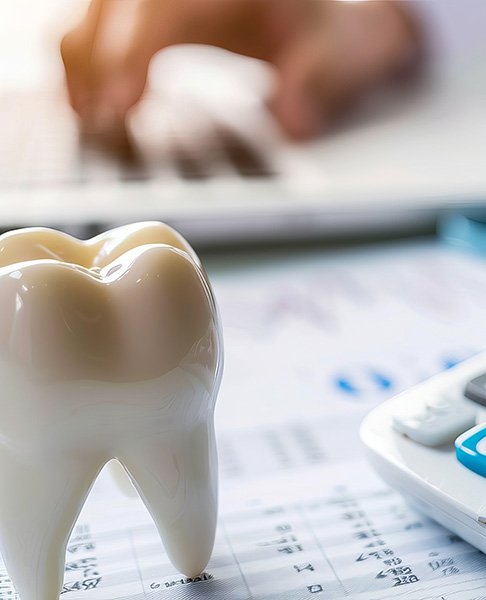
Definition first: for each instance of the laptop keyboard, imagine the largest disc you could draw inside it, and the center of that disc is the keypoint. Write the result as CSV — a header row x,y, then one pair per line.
x,y
41,146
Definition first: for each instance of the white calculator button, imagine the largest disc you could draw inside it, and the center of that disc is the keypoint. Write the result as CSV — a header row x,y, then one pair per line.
x,y
423,416
434,427
440,401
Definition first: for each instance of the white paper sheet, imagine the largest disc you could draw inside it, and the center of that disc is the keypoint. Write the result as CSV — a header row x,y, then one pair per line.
x,y
312,344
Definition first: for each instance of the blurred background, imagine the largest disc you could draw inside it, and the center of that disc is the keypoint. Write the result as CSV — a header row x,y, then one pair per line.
x,y
202,151
391,144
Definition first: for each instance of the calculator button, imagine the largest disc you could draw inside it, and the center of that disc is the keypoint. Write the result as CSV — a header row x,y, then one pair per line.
x,y
471,449
476,389
439,402
432,426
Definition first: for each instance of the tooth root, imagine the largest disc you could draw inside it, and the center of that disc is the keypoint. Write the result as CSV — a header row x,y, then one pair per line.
x,y
177,480
39,506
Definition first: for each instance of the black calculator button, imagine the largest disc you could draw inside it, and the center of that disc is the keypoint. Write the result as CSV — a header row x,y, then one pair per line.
x,y
476,389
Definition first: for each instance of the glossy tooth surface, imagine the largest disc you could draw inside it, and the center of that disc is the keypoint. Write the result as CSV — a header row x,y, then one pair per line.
x,y
109,348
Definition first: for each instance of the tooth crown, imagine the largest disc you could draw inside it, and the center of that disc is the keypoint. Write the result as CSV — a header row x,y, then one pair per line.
x,y
109,348
99,299
134,320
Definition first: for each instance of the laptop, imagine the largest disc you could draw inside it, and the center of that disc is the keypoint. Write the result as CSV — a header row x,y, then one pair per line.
x,y
203,154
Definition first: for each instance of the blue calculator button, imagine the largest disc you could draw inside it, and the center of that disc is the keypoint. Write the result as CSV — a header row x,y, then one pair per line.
x,y
471,449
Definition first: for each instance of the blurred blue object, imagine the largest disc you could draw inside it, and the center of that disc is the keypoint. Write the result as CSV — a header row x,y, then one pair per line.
x,y
466,230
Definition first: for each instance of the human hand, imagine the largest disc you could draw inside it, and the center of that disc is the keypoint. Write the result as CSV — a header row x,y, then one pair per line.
x,y
326,52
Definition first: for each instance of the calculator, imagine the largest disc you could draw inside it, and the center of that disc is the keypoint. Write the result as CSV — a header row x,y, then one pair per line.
x,y
429,443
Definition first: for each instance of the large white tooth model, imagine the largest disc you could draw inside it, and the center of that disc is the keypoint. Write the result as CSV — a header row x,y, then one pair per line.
x,y
109,348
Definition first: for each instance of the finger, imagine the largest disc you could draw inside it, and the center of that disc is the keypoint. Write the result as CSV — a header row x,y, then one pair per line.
x,y
119,65
76,49
350,47
106,66
297,104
